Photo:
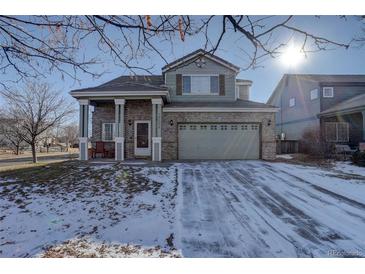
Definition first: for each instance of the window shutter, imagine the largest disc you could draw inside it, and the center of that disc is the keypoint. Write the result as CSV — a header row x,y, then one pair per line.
x,y
222,91
178,84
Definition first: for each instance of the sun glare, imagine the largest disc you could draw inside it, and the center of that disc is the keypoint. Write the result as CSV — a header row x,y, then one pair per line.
x,y
292,56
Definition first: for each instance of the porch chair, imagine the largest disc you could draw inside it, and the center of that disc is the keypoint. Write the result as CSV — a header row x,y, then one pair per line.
x,y
99,148
344,150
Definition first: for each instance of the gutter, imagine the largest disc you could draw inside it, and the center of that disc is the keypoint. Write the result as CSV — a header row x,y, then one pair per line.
x,y
217,109
95,94
344,111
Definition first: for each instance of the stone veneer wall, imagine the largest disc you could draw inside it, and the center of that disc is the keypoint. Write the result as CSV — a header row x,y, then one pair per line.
x,y
142,110
170,133
134,110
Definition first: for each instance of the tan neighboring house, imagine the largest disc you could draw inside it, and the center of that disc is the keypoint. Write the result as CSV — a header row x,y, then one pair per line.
x,y
196,109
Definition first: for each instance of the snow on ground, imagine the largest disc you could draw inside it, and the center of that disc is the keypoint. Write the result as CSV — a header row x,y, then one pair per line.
x,y
260,209
347,167
200,209
344,180
113,204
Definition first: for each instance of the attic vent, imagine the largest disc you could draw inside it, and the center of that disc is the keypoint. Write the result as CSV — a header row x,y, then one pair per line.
x,y
200,63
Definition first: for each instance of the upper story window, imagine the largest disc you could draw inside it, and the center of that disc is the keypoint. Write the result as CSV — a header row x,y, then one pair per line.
x,y
327,92
200,84
292,102
314,94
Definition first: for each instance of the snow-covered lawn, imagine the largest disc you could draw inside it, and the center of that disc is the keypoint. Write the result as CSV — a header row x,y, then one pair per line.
x,y
200,209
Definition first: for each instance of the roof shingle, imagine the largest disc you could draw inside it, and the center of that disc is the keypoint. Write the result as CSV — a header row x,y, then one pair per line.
x,y
130,83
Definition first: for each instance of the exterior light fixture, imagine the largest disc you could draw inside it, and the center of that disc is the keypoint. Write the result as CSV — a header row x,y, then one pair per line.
x,y
171,122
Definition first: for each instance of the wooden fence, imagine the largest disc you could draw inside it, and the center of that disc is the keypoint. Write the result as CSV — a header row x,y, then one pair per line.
x,y
287,146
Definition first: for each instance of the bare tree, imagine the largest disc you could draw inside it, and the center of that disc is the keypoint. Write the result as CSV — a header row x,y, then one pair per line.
x,y
70,134
36,109
34,46
11,134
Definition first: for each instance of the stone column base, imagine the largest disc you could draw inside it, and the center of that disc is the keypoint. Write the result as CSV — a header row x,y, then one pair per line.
x,y
83,147
156,149
119,148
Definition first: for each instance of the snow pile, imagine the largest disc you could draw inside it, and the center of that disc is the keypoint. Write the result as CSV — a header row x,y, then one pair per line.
x,y
284,156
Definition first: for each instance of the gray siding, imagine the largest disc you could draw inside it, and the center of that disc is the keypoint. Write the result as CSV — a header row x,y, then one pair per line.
x,y
340,93
294,121
211,67
295,130
243,92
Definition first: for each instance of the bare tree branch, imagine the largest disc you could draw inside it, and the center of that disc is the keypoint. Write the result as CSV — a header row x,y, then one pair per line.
x,y
35,109
37,46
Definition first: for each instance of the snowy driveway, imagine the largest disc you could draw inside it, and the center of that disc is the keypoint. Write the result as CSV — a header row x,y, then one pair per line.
x,y
258,209
201,209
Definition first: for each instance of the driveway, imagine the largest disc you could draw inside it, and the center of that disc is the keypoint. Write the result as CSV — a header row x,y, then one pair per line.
x,y
201,209
258,209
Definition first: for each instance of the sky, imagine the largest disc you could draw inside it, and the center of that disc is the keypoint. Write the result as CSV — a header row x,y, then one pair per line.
x,y
266,76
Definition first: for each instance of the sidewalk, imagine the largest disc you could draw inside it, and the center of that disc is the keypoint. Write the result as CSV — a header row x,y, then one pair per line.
x,y
16,160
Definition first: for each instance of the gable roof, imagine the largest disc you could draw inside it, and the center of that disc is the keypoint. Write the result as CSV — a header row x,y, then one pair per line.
x,y
353,104
321,79
330,78
194,56
130,83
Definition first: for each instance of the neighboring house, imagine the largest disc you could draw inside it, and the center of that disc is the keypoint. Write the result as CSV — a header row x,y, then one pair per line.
x,y
196,109
334,105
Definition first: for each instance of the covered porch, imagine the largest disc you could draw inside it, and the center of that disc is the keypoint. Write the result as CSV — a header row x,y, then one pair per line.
x,y
122,128
121,119
344,123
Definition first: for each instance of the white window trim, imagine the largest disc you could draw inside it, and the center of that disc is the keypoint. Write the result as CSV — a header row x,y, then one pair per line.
x,y
103,132
200,93
336,140
310,94
329,88
290,100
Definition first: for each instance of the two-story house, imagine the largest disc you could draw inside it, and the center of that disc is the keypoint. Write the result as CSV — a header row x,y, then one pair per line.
x,y
333,105
196,109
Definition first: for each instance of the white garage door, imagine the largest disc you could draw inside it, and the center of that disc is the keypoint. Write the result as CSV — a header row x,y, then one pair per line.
x,y
219,141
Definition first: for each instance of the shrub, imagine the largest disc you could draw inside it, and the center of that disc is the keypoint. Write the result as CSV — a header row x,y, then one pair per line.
x,y
310,143
358,158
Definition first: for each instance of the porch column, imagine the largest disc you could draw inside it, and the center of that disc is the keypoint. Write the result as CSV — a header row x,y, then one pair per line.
x,y
156,129
84,129
363,125
119,129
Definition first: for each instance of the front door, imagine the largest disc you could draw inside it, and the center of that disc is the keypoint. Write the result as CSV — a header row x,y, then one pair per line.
x,y
142,138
